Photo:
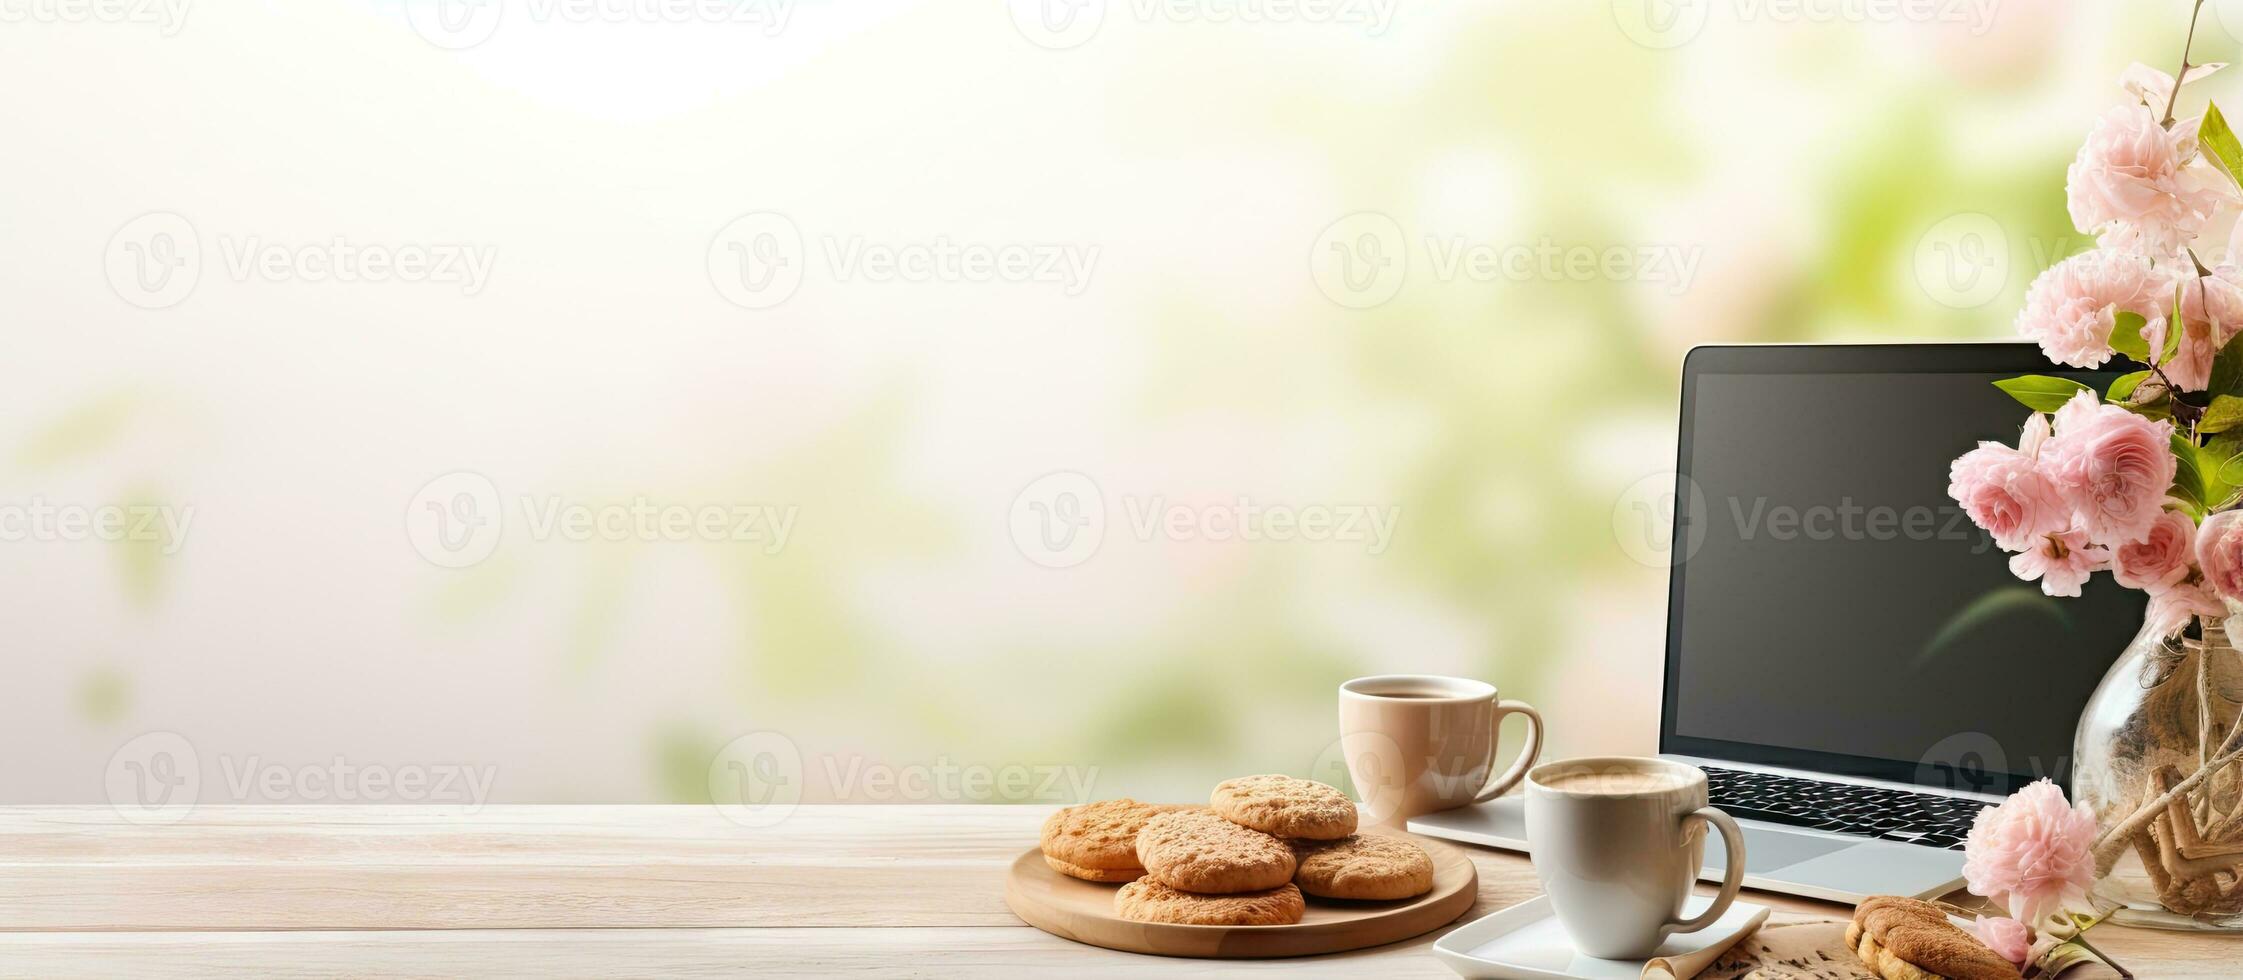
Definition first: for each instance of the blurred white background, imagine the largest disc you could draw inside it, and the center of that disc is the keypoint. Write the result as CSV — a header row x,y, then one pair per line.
x,y
366,300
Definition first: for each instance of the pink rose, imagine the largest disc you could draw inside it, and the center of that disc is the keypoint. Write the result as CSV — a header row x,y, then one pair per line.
x,y
2160,561
2004,491
2219,552
2070,307
2211,313
2008,938
2062,562
2129,185
2112,466
2032,852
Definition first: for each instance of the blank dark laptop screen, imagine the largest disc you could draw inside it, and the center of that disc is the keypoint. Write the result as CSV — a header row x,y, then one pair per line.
x,y
1834,609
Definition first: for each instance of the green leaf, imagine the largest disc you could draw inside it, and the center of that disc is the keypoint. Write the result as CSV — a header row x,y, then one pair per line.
x,y
2042,393
2188,477
2225,412
2123,388
2220,462
2174,326
2222,458
2126,336
2227,368
2219,143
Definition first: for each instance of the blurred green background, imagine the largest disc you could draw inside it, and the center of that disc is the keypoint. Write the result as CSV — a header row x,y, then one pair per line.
x,y
1824,172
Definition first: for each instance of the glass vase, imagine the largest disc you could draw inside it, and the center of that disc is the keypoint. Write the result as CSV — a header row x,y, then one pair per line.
x,y
2157,759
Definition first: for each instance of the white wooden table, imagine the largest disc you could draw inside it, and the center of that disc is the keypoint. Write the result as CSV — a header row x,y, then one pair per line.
x,y
620,891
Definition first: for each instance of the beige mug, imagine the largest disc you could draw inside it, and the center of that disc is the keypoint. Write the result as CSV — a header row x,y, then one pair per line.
x,y
1417,743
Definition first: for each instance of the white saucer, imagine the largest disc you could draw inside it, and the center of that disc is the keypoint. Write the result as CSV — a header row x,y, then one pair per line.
x,y
1525,942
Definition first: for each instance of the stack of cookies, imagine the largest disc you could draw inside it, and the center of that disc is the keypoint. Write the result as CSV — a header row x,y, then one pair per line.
x,y
1244,860
1907,939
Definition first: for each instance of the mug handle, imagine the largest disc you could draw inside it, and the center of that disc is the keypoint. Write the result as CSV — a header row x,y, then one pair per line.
x,y
1732,872
1527,756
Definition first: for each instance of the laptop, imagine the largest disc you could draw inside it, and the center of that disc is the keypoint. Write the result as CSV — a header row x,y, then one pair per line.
x,y
1848,657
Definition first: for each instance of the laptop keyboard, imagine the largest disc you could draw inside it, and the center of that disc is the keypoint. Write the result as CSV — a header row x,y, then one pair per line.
x,y
1865,811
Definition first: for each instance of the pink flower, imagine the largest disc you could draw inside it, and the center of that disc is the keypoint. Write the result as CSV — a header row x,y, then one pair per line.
x,y
2031,852
2010,939
2160,561
2112,466
2219,552
2004,491
2062,562
2129,184
2211,314
2070,307
2154,88
2171,610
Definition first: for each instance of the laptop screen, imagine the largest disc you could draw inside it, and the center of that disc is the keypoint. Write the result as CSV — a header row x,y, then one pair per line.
x,y
1833,609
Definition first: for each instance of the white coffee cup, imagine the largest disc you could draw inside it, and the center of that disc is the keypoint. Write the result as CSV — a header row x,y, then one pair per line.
x,y
1618,842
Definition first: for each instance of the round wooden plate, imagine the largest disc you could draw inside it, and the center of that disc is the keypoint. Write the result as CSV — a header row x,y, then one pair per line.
x,y
1083,911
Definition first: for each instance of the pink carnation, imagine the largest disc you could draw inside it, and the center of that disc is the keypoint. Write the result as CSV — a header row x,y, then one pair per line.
x,y
2219,552
2129,184
2008,938
2211,314
2032,852
2004,491
2160,561
2112,466
2071,306
2062,562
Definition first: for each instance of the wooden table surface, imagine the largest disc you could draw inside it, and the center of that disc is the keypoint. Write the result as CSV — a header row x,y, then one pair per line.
x,y
622,891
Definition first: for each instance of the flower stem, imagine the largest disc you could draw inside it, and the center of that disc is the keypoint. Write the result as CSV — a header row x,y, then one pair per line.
x,y
2081,939
2182,75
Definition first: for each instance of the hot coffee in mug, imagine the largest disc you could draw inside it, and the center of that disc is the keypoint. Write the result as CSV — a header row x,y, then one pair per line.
x,y
1618,842
1417,743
